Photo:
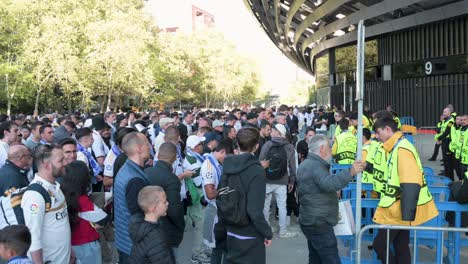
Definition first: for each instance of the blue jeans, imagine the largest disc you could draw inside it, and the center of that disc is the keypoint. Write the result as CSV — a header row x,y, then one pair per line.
x,y
322,244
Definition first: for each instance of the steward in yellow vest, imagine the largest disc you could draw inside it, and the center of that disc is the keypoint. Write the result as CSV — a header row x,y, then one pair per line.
x,y
406,199
345,145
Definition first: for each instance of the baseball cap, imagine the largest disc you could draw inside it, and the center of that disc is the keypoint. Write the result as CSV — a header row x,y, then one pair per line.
x,y
281,128
166,120
210,136
194,140
218,123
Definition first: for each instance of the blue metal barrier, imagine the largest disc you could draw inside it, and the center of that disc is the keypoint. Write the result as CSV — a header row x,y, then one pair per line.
x,y
437,180
428,171
336,168
420,235
407,120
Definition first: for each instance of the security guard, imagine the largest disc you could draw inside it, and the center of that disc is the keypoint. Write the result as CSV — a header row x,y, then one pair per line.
x,y
406,199
461,152
454,136
369,148
345,146
437,146
338,116
397,120
444,139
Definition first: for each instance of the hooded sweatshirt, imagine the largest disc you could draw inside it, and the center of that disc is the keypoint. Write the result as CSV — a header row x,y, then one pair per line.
x,y
290,176
149,242
253,179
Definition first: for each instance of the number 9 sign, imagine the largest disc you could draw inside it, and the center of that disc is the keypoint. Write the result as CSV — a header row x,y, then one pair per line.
x,y
428,67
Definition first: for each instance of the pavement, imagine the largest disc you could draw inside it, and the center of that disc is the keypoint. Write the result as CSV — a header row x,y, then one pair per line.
x,y
294,250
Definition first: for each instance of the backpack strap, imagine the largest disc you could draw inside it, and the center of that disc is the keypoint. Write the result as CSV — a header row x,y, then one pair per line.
x,y
43,192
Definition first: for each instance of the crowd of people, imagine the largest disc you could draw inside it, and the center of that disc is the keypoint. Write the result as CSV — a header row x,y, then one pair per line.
x,y
141,179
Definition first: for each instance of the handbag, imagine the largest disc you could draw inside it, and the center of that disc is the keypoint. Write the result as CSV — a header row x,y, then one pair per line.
x,y
345,225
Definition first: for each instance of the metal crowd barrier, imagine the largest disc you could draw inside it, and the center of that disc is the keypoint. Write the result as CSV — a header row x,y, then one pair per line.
x,y
415,229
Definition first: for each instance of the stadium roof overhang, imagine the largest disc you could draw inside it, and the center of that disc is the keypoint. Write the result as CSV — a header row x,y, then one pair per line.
x,y
302,29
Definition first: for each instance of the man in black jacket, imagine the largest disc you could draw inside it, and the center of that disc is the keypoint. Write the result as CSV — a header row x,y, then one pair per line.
x,y
292,121
162,175
246,244
14,173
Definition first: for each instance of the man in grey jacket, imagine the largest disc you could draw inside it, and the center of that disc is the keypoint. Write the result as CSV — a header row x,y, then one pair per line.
x,y
318,198
283,185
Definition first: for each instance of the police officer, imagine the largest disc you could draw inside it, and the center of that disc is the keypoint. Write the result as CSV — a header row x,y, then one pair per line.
x,y
444,139
405,199
461,152
436,145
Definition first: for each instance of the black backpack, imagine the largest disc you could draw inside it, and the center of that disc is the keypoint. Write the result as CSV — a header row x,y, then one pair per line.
x,y
278,162
232,201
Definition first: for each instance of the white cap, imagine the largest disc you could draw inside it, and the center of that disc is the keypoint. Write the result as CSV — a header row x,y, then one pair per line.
x,y
166,120
194,140
281,128
218,123
88,122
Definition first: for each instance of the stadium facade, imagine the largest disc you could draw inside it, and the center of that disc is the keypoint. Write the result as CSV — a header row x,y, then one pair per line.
x,y
416,51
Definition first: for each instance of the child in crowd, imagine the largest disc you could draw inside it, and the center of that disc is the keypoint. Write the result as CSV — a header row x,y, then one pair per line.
x,y
149,241
15,241
85,217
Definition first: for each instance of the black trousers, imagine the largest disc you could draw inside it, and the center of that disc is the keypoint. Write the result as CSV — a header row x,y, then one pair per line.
x,y
458,167
436,151
244,251
448,159
292,206
400,241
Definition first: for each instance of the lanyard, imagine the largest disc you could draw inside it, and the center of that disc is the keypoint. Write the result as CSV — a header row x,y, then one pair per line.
x,y
391,152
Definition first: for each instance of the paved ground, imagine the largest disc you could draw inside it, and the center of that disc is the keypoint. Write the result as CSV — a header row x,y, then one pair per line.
x,y
294,250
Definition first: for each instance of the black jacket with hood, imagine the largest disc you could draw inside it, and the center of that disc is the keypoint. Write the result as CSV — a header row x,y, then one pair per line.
x,y
253,179
149,242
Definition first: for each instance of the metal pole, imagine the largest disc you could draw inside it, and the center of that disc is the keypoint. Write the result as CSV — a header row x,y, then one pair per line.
x,y
344,93
359,98
350,98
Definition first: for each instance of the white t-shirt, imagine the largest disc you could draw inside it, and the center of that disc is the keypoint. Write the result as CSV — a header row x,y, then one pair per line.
x,y
4,147
109,164
193,167
82,157
209,176
100,149
158,141
50,231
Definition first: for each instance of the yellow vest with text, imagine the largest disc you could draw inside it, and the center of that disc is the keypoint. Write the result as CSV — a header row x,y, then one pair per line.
x,y
346,148
464,148
445,124
459,143
378,157
454,134
367,177
338,130
392,188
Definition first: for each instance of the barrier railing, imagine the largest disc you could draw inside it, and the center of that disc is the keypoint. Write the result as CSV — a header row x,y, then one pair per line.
x,y
415,244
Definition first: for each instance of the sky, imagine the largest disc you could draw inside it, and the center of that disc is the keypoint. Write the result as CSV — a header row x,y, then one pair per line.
x,y
238,25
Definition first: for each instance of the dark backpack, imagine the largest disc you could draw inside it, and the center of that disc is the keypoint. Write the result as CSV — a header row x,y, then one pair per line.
x,y
232,201
278,162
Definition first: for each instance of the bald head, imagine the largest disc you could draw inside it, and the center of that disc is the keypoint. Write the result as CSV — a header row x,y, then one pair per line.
x,y
172,134
132,142
167,152
20,156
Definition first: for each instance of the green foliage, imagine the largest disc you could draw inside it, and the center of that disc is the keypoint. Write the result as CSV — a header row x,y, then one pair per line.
x,y
65,54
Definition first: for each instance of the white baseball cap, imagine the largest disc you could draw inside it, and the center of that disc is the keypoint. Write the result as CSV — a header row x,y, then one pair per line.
x,y
194,140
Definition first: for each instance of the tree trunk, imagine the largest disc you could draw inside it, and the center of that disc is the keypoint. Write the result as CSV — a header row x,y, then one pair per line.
x,y
36,104
117,101
109,100
101,102
7,88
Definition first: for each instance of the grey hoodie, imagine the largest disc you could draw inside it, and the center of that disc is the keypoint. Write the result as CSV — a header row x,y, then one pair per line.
x,y
290,176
